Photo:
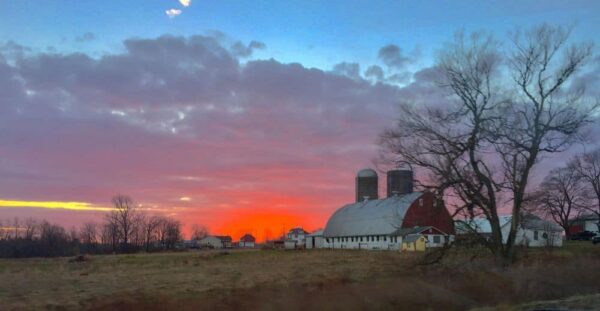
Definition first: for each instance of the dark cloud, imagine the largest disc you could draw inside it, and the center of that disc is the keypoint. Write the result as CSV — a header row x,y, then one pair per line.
x,y
391,55
375,72
351,70
86,37
241,50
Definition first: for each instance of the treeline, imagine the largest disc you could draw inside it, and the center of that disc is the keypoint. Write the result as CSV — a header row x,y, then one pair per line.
x,y
126,229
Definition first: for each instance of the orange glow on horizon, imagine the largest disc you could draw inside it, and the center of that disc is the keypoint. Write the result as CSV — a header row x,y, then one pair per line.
x,y
264,224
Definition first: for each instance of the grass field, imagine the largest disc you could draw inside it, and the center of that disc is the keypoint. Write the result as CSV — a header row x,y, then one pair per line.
x,y
299,280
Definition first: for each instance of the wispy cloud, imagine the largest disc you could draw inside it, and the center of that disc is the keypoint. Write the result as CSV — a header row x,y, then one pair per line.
x,y
171,13
185,3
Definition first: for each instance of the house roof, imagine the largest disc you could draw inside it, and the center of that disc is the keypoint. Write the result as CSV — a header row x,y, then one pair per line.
x,y
533,222
298,230
482,225
317,233
223,238
248,238
479,224
372,217
416,230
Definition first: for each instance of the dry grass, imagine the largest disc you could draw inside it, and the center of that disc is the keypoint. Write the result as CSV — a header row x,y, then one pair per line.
x,y
273,280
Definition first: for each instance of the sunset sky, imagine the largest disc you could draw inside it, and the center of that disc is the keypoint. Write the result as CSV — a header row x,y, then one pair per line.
x,y
244,116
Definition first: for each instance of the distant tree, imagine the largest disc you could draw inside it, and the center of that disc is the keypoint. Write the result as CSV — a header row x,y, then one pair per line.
x,y
110,235
88,233
54,240
588,168
124,218
561,195
506,110
169,232
150,226
31,227
199,232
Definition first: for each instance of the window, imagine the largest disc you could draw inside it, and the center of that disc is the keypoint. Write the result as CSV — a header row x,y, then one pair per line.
x,y
327,239
545,235
436,239
361,239
535,235
352,239
385,239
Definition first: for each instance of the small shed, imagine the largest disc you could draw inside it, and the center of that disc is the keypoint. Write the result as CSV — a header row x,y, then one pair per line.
x,y
414,243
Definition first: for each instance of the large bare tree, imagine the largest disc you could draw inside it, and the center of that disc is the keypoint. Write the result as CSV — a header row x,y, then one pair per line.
x,y
506,108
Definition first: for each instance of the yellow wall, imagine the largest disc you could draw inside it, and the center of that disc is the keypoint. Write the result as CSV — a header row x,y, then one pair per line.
x,y
417,246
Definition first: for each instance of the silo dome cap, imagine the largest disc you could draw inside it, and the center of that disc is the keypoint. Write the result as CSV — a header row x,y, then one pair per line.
x,y
366,172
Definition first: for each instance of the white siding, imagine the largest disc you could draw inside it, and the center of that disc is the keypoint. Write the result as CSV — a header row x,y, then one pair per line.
x,y
370,242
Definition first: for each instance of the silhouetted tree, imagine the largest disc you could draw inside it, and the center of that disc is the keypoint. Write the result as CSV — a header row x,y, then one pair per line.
x,y
506,110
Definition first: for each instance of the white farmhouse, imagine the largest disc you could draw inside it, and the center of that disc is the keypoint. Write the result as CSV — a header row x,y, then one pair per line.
x,y
297,236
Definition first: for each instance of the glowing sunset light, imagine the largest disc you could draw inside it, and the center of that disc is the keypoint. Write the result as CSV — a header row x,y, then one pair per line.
x,y
185,199
76,206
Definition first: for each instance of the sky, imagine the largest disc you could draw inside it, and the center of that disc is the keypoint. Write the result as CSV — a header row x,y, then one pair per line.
x,y
244,116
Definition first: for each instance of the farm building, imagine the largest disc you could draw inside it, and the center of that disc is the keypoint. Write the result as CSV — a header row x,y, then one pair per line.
x,y
216,241
587,222
414,243
297,236
533,231
247,241
384,223
315,239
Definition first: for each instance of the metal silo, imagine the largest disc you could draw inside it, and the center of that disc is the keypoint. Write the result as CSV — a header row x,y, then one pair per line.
x,y
367,185
399,182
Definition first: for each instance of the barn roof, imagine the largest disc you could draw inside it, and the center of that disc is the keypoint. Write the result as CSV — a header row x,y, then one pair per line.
x,y
372,217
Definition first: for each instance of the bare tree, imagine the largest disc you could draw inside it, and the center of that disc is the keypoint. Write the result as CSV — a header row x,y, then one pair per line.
x,y
88,233
480,148
199,232
169,232
151,225
124,218
31,228
588,168
561,195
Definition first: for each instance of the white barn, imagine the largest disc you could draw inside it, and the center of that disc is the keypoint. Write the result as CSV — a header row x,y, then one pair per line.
x,y
533,231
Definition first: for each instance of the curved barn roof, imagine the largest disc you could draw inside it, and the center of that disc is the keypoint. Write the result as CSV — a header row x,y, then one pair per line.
x,y
373,217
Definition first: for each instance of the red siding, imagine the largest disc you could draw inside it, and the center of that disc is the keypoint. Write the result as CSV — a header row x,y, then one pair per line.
x,y
428,215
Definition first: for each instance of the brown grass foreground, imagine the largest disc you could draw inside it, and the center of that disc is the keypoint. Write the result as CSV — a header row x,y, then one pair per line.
x,y
300,280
